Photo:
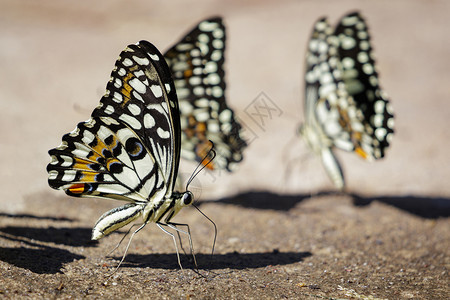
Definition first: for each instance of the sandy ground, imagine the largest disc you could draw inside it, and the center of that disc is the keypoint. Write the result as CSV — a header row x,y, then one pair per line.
x,y
281,234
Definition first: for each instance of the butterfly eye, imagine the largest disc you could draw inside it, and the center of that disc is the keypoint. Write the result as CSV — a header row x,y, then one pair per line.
x,y
187,198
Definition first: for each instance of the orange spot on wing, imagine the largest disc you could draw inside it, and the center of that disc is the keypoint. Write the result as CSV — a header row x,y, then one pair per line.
x,y
110,162
344,119
88,177
98,149
201,151
77,188
201,127
81,164
126,89
361,152
94,155
209,166
187,73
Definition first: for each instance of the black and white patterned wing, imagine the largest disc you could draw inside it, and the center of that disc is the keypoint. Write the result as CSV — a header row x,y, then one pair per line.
x,y
361,82
197,63
129,148
324,96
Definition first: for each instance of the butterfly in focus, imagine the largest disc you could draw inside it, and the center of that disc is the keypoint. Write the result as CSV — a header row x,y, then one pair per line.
x,y
129,149
196,63
344,105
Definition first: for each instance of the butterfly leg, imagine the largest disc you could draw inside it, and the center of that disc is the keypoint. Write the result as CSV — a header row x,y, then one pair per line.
x,y
181,242
290,164
188,233
121,240
160,225
128,246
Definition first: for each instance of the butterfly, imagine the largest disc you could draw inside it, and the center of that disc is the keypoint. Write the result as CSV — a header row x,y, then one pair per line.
x,y
129,149
344,105
196,63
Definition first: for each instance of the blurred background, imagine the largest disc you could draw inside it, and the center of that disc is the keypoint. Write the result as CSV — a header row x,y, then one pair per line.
x,y
56,58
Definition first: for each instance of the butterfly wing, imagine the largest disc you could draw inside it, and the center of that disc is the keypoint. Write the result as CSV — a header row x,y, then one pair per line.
x,y
196,63
324,91
361,82
141,95
129,148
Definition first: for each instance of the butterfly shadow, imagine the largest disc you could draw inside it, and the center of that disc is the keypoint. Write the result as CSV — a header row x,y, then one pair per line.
x,y
423,206
30,250
37,258
75,236
267,200
234,260
28,216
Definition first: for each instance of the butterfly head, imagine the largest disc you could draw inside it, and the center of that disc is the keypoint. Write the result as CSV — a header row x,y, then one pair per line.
x,y
187,198
183,199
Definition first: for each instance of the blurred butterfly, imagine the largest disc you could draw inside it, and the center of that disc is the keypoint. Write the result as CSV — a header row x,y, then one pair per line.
x,y
196,63
129,149
344,105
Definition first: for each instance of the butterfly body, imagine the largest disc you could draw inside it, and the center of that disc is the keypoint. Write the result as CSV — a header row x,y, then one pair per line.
x,y
129,149
344,106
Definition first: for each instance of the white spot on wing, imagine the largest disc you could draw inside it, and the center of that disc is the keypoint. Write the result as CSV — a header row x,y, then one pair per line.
x,y
132,121
207,26
218,33
127,62
88,137
217,91
109,110
138,85
380,133
122,72
348,43
134,109
225,116
162,133
141,61
154,57
117,97
379,106
348,63
156,90
218,44
368,69
213,78
216,55
149,121
69,175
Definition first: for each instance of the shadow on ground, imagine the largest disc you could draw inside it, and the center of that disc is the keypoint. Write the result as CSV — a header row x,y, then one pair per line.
x,y
76,236
422,206
28,216
51,259
233,260
31,254
37,258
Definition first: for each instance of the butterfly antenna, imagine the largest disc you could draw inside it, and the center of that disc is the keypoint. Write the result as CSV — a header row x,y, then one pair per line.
x,y
202,165
215,227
